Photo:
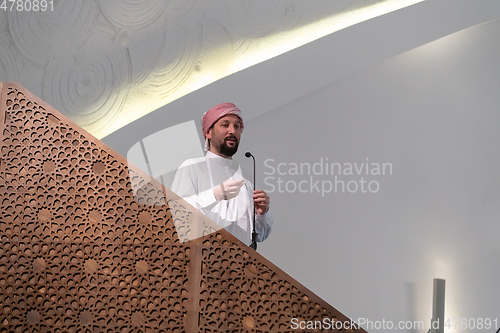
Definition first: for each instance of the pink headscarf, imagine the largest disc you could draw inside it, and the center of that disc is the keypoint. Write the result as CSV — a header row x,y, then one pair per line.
x,y
211,116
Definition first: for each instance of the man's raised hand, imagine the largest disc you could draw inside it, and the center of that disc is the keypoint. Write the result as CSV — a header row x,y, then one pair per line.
x,y
228,189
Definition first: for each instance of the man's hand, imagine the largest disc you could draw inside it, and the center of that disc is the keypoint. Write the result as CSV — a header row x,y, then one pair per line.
x,y
228,190
261,202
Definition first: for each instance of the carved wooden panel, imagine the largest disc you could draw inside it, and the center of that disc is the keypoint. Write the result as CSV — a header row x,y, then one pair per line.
x,y
81,250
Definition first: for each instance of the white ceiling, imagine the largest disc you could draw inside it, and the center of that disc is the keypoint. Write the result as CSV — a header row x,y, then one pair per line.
x,y
282,79
105,63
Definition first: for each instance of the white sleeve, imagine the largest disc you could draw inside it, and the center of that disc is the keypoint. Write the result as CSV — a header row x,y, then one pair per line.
x,y
185,186
263,226
263,223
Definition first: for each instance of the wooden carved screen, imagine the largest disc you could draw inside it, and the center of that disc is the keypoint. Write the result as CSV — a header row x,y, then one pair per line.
x,y
80,251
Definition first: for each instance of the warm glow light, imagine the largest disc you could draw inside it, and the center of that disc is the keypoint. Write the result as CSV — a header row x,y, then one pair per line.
x,y
268,47
441,266
321,28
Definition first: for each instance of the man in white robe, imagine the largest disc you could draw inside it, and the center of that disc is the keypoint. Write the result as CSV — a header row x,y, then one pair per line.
x,y
215,185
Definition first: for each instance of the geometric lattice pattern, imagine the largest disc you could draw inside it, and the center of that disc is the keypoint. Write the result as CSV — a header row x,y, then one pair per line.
x,y
82,251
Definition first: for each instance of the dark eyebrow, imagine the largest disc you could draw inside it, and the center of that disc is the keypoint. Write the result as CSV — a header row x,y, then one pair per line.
x,y
225,121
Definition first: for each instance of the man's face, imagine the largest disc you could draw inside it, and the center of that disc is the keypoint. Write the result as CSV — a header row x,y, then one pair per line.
x,y
225,136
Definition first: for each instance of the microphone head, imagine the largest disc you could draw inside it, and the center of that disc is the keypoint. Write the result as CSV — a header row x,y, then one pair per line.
x,y
248,154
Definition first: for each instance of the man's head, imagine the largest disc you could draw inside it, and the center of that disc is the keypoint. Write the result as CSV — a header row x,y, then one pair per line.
x,y
225,135
222,126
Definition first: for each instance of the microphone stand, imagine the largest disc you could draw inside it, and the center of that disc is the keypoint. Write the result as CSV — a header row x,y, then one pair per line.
x,y
254,233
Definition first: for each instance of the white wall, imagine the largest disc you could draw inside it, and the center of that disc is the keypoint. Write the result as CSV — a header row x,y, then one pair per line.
x,y
431,111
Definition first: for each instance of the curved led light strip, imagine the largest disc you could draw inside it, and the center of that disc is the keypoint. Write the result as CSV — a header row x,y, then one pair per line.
x,y
105,64
216,62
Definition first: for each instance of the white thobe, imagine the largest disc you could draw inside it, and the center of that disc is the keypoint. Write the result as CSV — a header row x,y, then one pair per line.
x,y
195,181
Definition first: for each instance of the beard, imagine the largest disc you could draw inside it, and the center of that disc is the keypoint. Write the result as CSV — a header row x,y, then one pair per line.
x,y
226,150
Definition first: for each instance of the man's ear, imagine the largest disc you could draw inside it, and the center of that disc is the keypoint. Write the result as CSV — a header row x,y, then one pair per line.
x,y
209,133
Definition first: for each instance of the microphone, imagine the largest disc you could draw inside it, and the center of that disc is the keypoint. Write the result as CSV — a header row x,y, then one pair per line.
x,y
254,233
